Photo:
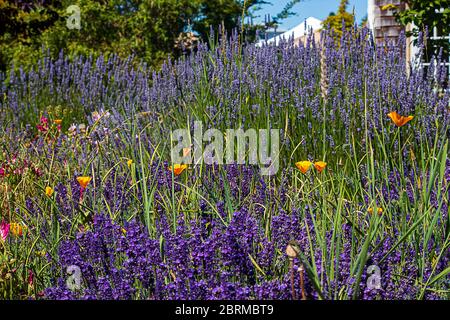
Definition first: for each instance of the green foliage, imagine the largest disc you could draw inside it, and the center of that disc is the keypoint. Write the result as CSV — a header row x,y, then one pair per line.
x,y
214,12
287,11
425,14
21,28
147,30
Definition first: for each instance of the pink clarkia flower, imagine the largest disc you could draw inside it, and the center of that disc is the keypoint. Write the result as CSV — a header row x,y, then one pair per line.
x,y
43,126
30,277
4,230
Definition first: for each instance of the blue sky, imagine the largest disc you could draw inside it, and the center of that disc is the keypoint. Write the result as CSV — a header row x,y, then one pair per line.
x,y
311,8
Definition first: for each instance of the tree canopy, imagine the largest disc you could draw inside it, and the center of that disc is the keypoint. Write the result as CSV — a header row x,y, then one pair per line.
x,y
425,13
147,29
424,16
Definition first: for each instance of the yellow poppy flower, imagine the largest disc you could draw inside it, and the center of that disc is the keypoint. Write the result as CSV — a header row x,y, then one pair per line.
x,y
303,166
84,181
379,210
399,120
41,253
320,165
16,229
49,191
129,162
178,168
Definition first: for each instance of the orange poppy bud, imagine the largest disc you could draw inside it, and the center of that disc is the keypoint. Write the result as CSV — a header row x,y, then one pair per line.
x,y
379,210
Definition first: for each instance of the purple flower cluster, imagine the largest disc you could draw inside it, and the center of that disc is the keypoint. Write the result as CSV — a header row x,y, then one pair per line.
x,y
206,259
114,261
249,83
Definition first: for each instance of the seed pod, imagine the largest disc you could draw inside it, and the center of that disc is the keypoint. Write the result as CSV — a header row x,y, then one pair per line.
x,y
292,250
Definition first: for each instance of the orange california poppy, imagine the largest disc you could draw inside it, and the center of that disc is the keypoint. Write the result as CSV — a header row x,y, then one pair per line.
x,y
16,229
379,210
320,165
84,181
399,120
178,169
49,191
303,166
57,121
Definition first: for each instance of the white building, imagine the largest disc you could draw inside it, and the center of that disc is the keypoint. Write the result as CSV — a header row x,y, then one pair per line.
x,y
299,32
384,27
382,22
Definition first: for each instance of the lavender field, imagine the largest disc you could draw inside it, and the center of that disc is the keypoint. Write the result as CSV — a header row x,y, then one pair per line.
x,y
91,206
